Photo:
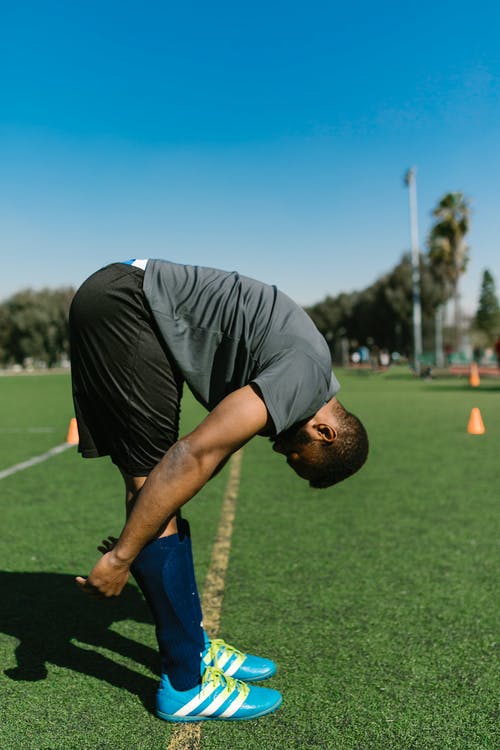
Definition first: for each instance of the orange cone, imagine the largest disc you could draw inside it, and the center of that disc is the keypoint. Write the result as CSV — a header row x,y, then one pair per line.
x,y
474,380
72,437
476,424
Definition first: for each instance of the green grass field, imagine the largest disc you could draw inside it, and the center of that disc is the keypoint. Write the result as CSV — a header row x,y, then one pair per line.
x,y
376,598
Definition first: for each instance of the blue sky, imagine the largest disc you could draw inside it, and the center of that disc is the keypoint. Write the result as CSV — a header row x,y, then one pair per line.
x,y
267,137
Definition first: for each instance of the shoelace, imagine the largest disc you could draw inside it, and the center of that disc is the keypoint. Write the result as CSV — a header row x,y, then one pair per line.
x,y
219,643
214,675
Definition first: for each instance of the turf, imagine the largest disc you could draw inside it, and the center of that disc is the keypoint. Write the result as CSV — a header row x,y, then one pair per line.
x,y
376,598
35,414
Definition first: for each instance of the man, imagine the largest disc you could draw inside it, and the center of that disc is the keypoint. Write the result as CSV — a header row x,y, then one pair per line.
x,y
254,359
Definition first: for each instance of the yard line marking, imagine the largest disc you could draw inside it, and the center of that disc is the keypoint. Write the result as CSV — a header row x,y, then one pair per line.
x,y
35,460
213,591
188,736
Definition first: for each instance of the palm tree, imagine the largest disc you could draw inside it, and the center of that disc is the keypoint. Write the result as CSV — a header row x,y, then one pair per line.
x,y
448,252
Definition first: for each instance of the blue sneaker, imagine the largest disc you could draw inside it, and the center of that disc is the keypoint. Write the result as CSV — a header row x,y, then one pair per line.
x,y
217,697
235,663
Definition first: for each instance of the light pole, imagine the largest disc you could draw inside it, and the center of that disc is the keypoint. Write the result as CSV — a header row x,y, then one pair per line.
x,y
411,183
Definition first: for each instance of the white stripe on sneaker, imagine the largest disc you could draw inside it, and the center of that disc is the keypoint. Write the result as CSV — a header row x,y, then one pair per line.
x,y
190,706
235,665
217,703
235,705
221,661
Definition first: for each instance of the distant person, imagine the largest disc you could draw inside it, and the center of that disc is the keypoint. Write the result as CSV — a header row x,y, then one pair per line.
x,y
497,351
476,354
385,358
255,360
364,354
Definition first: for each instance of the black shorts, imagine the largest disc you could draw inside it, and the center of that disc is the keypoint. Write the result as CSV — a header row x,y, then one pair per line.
x,y
126,389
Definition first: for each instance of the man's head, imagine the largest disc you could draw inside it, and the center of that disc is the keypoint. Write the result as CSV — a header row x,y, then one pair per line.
x,y
326,449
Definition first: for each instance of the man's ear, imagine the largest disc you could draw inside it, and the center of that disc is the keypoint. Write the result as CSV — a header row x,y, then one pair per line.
x,y
326,432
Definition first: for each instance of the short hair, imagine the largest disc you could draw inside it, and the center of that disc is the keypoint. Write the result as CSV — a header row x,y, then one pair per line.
x,y
342,458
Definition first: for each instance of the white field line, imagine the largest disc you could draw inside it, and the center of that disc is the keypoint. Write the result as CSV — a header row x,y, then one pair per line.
x,y
213,590
35,460
188,736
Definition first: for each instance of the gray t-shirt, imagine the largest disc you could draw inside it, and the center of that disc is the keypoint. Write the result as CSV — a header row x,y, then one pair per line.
x,y
225,331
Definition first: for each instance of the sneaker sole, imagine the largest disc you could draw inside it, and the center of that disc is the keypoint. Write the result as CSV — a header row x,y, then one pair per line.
x,y
184,719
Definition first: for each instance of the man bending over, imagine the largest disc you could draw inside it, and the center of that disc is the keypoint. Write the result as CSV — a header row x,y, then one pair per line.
x,y
255,360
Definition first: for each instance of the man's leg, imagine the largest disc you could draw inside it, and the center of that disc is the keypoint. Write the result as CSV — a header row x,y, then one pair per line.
x,y
200,679
165,574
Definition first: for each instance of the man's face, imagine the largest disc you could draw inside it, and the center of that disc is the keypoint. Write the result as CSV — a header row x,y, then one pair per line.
x,y
299,448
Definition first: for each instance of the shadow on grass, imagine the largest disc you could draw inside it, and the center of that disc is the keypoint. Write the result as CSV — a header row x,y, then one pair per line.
x,y
46,612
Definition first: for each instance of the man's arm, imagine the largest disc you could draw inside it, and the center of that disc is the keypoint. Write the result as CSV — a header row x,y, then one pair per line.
x,y
181,473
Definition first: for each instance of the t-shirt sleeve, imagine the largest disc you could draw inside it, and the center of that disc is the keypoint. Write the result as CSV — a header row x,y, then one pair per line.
x,y
294,387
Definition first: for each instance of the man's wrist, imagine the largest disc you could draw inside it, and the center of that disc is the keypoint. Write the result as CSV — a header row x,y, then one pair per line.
x,y
120,557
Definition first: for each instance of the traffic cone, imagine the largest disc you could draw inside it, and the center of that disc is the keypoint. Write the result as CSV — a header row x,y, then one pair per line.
x,y
474,380
476,424
72,437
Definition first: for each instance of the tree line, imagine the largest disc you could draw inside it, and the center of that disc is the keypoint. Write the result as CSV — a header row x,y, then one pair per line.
x,y
34,327
382,313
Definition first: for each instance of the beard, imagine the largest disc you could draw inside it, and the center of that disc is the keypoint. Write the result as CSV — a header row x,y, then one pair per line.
x,y
292,438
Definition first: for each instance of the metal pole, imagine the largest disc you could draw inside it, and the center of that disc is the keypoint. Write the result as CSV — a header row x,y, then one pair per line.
x,y
411,182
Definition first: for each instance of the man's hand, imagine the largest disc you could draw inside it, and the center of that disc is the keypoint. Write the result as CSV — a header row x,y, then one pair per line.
x,y
107,578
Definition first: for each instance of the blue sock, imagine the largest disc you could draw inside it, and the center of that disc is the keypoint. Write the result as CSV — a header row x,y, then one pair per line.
x,y
165,574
